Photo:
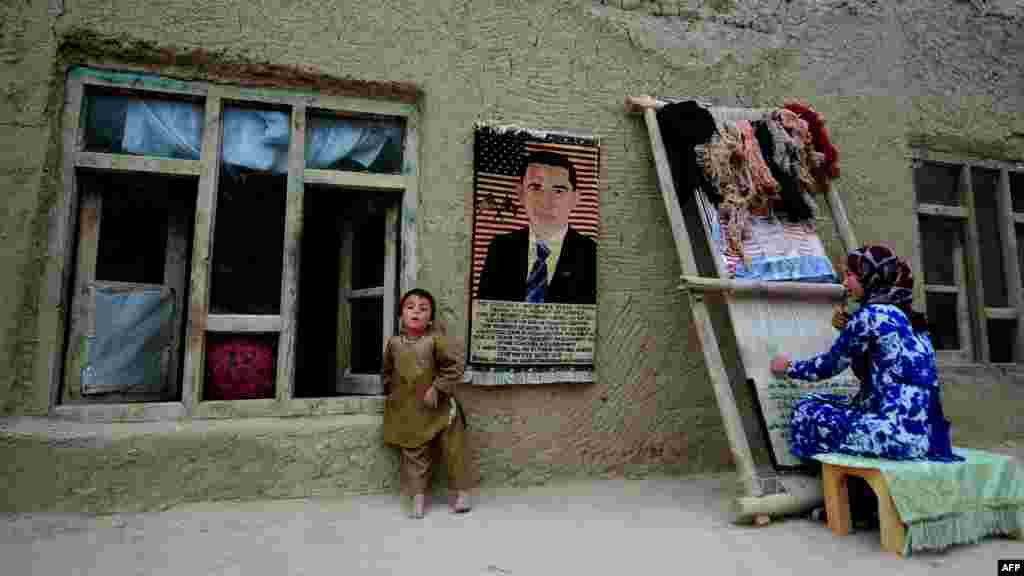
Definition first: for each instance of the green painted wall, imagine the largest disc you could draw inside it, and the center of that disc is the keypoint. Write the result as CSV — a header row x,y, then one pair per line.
x,y
884,76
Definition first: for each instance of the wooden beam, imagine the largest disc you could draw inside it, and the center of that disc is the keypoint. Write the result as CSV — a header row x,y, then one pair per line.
x,y
176,273
363,384
738,442
356,180
640,104
89,222
362,106
250,408
372,404
61,245
839,219
408,263
313,100
344,341
799,290
285,383
963,301
390,271
943,211
957,160
942,289
375,292
242,323
1011,264
202,249
138,164
1000,313
133,412
974,266
126,80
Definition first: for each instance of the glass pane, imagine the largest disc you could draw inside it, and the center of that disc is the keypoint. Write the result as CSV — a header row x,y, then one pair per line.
x,y
368,247
367,335
984,183
316,356
1017,190
248,243
240,366
941,239
123,124
354,144
1002,339
937,184
255,140
942,315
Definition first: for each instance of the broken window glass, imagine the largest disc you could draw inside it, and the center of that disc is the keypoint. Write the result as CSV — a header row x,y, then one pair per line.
x,y
147,126
354,144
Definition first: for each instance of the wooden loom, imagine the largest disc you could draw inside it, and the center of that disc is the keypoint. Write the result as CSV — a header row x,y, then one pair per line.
x,y
806,306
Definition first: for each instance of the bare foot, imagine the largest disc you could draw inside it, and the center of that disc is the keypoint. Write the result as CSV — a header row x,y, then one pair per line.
x,y
461,504
419,503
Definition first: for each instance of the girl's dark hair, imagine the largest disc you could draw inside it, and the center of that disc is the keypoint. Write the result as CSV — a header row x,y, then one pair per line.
x,y
422,294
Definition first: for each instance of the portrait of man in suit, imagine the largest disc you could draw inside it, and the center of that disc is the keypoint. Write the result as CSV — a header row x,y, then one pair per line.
x,y
546,261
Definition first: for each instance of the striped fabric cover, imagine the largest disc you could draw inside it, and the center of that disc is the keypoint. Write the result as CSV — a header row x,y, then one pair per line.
x,y
778,250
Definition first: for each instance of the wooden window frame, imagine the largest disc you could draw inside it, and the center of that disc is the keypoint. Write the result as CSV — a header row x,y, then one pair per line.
x,y
400,273
972,314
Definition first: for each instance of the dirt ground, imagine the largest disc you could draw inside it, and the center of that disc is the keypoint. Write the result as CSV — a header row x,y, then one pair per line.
x,y
650,526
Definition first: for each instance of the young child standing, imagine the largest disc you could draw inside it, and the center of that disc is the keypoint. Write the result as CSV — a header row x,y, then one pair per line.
x,y
421,370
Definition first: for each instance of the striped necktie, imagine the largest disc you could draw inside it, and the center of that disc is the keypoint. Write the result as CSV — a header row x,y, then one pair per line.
x,y
537,281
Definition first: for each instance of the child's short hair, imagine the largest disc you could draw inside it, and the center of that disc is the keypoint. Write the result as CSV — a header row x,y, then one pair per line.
x,y
422,294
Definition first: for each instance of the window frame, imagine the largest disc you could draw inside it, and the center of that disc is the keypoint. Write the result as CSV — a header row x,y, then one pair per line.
x,y
400,272
973,315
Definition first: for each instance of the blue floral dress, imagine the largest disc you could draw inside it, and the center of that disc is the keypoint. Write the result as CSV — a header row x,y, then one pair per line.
x,y
896,415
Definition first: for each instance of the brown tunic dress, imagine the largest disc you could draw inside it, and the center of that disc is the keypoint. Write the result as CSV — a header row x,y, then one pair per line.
x,y
410,367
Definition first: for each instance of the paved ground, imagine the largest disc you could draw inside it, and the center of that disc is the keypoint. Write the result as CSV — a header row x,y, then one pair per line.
x,y
653,526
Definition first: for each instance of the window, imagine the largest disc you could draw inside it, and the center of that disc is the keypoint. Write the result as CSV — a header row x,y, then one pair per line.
x,y
970,218
229,251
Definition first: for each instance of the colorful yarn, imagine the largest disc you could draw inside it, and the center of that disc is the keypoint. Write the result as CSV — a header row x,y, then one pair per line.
x,y
793,205
819,137
765,185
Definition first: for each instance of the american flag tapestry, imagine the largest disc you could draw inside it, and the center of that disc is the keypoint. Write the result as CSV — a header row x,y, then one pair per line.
x,y
535,232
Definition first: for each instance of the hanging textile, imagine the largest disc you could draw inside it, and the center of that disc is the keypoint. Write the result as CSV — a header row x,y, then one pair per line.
x,y
684,126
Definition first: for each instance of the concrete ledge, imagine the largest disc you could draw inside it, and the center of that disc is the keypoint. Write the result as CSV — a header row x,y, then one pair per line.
x,y
55,465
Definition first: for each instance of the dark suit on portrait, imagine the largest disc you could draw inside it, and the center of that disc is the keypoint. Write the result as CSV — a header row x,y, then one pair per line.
x,y
574,281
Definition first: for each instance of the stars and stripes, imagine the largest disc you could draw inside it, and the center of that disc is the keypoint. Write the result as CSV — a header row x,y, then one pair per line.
x,y
498,158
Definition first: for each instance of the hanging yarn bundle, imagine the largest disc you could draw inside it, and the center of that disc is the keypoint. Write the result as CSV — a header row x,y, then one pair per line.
x,y
828,169
732,161
687,125
793,154
766,188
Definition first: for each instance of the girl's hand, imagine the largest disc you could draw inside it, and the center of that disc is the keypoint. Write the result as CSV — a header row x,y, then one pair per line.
x,y
430,397
780,363
840,318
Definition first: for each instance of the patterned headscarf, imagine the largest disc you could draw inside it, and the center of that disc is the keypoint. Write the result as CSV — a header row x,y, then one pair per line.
x,y
885,277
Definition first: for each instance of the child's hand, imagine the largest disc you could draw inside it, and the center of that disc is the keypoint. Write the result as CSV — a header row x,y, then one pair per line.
x,y
840,318
430,397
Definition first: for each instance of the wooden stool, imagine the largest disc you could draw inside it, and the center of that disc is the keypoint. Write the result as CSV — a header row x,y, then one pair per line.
x,y
837,504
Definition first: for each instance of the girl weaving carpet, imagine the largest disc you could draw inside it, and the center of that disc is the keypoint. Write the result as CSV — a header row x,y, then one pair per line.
x,y
897,414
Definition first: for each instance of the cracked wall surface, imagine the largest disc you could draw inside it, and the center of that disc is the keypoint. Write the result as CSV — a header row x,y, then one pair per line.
x,y
885,75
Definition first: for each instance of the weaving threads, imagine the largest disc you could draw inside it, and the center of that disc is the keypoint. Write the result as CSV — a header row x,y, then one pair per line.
x,y
725,165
